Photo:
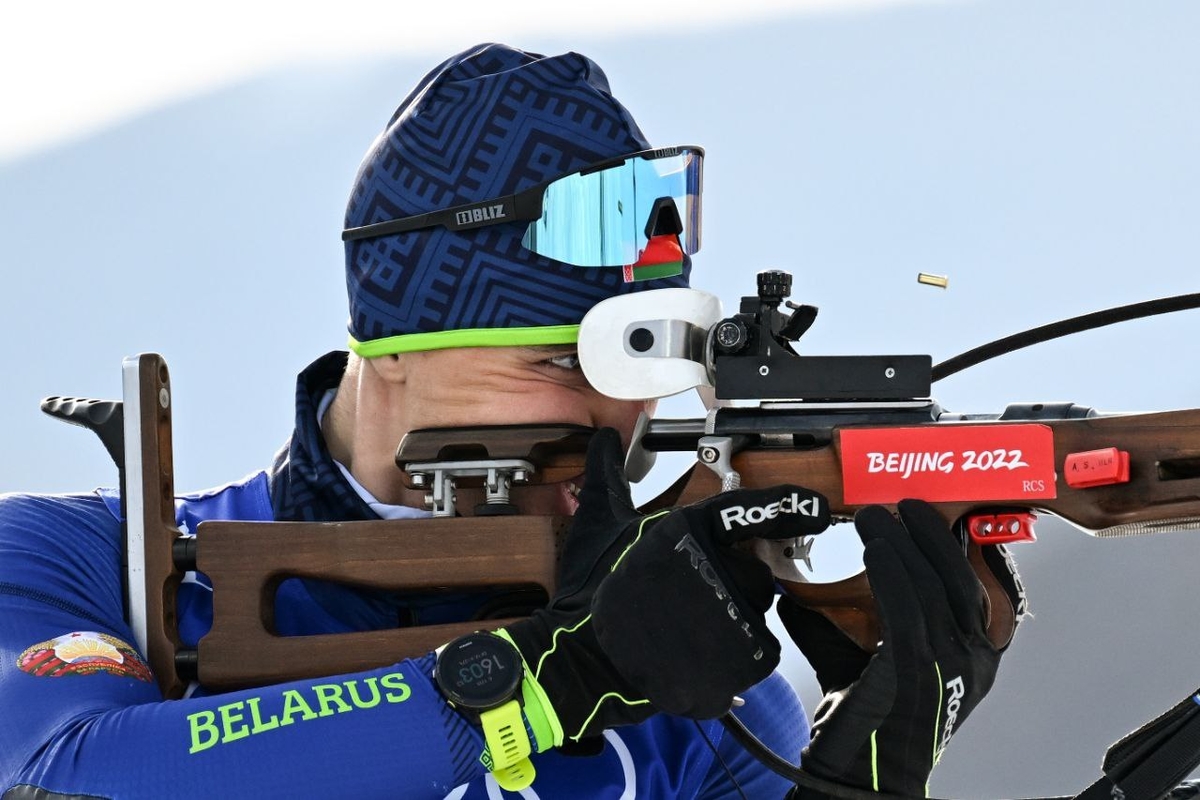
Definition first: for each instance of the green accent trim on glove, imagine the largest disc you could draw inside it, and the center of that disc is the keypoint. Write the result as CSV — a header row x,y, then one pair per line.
x,y
554,643
937,723
937,720
596,710
547,730
600,701
874,762
638,538
538,708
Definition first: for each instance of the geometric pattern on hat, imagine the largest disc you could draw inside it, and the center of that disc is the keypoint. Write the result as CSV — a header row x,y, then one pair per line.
x,y
487,122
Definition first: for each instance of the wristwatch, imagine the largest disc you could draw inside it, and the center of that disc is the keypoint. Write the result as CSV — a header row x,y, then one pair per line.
x,y
480,675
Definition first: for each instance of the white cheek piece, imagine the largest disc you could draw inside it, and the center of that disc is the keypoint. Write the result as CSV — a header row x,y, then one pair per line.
x,y
649,344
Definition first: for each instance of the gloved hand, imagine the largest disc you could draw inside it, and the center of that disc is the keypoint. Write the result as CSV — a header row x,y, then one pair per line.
x,y
886,718
655,613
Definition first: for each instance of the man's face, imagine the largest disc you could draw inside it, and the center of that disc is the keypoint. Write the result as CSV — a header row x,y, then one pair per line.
x,y
513,386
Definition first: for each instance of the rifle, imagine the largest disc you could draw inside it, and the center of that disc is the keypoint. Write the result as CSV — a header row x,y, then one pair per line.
x,y
860,429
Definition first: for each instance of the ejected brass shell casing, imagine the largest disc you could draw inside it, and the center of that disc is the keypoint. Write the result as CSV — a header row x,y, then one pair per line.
x,y
940,281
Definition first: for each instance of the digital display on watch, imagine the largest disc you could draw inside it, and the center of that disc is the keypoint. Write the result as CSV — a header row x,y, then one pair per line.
x,y
478,671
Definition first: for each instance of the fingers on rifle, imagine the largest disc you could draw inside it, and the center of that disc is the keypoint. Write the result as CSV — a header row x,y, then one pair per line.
x,y
944,551
837,660
778,512
876,524
605,489
901,611
752,581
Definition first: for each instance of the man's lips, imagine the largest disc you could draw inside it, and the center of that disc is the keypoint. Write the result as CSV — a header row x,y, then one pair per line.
x,y
570,495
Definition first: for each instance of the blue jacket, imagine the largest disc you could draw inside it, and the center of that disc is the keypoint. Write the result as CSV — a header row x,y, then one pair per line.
x,y
82,716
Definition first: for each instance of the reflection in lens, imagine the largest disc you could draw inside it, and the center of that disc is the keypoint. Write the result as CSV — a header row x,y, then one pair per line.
x,y
600,218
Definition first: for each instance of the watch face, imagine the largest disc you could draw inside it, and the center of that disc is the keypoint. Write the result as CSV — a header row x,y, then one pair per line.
x,y
479,671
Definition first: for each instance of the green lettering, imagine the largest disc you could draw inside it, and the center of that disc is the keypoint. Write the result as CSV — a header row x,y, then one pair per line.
x,y
260,726
244,718
228,718
395,680
202,723
328,693
358,701
294,703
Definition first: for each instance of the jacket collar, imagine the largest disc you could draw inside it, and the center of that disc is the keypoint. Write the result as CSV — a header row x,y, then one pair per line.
x,y
305,483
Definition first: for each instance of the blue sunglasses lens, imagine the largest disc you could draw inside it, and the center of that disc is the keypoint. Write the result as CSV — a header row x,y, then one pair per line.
x,y
605,218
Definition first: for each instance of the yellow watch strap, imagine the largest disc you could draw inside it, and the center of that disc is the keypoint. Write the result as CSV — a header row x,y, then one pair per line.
x,y
547,730
516,777
509,746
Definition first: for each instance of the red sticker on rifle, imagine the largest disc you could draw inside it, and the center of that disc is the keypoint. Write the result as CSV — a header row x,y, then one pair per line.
x,y
945,463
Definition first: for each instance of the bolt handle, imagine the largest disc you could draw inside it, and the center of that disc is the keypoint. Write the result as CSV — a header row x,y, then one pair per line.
x,y
716,453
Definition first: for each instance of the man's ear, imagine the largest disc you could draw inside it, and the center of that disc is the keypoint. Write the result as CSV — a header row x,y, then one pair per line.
x,y
392,369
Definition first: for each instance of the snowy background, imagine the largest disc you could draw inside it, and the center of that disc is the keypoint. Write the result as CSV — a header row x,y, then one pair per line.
x,y
174,181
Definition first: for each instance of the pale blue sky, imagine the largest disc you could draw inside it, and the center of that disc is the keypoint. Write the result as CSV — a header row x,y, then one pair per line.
x,y
1041,153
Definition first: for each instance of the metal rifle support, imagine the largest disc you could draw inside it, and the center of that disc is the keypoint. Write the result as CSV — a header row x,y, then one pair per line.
x,y
136,432
149,501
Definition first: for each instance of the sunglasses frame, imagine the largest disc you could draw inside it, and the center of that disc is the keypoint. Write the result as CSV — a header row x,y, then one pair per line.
x,y
525,205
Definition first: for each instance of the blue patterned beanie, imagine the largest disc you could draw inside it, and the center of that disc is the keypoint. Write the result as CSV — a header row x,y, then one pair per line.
x,y
488,122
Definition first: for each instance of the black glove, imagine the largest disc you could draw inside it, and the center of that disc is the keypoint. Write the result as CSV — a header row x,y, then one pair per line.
x,y
655,613
886,718
683,615
835,658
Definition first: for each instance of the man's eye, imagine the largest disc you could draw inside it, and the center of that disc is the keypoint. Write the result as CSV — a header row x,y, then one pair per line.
x,y
565,361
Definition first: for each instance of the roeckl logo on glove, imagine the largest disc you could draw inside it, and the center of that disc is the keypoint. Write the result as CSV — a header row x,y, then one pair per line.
x,y
740,515
704,567
957,690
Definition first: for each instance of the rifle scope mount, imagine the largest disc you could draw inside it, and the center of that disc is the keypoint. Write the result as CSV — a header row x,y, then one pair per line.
x,y
753,357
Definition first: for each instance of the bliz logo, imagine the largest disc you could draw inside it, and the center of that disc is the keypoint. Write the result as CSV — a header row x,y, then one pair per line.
x,y
472,216
740,515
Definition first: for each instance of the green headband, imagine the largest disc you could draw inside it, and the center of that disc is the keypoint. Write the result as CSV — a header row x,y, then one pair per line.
x,y
469,337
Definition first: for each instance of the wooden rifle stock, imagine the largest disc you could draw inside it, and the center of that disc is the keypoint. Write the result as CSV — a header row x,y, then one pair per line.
x,y
1162,493
247,561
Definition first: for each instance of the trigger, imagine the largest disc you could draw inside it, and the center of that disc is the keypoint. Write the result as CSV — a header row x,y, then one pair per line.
x,y
802,551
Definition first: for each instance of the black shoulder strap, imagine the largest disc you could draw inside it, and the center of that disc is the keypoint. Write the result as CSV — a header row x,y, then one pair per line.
x,y
1150,762
1147,764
